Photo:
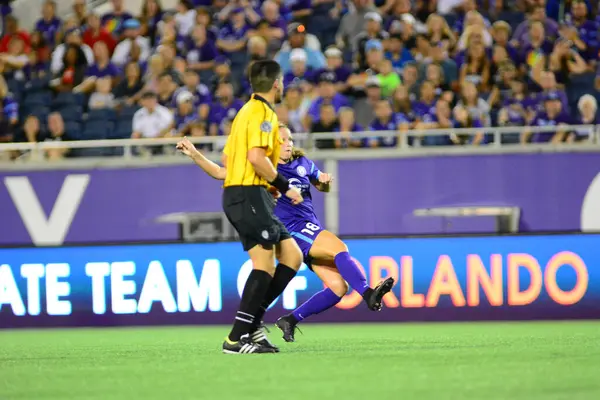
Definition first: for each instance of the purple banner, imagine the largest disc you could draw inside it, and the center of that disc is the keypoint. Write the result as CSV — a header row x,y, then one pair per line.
x,y
379,197
555,192
103,205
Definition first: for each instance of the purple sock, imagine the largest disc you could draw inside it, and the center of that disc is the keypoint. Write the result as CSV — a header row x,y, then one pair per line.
x,y
321,301
351,272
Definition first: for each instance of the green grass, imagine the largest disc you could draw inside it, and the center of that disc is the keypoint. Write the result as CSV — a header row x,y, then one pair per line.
x,y
344,362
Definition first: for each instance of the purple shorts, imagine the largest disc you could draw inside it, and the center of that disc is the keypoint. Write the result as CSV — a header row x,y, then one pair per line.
x,y
304,233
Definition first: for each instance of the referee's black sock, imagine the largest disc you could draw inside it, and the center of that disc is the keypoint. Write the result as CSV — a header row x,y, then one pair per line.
x,y
283,276
253,296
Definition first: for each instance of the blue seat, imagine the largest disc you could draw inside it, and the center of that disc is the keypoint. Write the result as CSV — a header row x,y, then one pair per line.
x,y
127,112
37,85
40,112
37,99
122,131
71,113
102,114
73,130
63,100
96,130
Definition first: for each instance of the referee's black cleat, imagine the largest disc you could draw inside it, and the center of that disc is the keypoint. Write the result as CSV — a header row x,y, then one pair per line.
x,y
288,325
244,346
373,298
259,337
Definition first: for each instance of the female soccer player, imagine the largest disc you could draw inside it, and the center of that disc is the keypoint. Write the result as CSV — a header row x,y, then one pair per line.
x,y
323,251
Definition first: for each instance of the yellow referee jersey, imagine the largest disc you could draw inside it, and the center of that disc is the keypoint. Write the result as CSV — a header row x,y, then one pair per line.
x,y
255,125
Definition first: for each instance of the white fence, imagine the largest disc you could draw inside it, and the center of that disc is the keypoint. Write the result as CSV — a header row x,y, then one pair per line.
x,y
34,152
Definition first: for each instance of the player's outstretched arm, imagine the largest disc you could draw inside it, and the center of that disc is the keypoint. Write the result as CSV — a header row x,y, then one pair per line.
x,y
211,168
323,182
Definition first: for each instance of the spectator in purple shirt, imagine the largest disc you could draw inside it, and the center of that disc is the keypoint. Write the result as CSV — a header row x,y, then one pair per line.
x,y
225,107
113,21
49,25
300,73
335,64
327,93
102,66
538,14
384,122
234,34
464,120
535,53
501,33
272,27
202,97
425,107
150,17
184,114
201,52
581,31
549,87
552,116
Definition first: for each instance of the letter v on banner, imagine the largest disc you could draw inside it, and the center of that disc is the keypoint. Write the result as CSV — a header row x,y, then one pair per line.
x,y
51,230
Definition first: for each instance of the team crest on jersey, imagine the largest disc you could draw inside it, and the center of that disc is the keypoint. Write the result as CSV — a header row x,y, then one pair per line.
x,y
301,171
266,127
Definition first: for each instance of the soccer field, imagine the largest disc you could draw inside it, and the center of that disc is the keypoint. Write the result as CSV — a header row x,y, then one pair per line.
x,y
545,360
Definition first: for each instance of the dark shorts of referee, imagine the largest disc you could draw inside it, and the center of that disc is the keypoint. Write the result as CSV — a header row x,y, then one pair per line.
x,y
250,210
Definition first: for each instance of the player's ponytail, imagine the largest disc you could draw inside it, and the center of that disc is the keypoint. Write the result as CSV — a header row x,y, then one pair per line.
x,y
296,151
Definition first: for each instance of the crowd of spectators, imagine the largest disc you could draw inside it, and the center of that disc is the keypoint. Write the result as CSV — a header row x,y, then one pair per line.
x,y
349,66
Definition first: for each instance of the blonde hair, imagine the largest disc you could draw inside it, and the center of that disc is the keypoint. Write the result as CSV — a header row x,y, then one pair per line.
x,y
297,152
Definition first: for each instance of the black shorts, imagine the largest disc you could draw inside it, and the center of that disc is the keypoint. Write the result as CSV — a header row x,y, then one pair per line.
x,y
250,211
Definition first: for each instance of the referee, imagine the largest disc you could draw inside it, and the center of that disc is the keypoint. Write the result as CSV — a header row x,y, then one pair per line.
x,y
250,155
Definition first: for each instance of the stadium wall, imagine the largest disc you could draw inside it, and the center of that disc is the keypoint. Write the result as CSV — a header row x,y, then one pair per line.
x,y
554,191
468,278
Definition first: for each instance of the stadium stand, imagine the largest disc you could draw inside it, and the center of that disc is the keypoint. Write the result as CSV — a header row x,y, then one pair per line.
x,y
350,66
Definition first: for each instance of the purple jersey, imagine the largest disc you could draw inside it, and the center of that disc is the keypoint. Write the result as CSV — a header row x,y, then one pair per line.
x,y
543,119
425,112
109,69
300,220
338,101
48,29
382,141
201,95
300,173
219,112
289,78
204,53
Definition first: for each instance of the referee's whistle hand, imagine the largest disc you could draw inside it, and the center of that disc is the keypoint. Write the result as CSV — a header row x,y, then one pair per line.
x,y
294,194
186,147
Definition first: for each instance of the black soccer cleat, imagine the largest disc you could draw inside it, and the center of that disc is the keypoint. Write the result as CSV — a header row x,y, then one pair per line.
x,y
244,346
259,337
288,325
374,298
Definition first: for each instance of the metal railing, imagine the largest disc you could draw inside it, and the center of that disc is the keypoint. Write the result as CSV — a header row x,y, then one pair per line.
x,y
409,142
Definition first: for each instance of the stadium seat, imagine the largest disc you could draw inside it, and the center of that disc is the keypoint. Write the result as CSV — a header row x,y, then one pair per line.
x,y
37,85
122,131
127,112
37,99
71,113
63,100
40,112
73,130
102,114
96,130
